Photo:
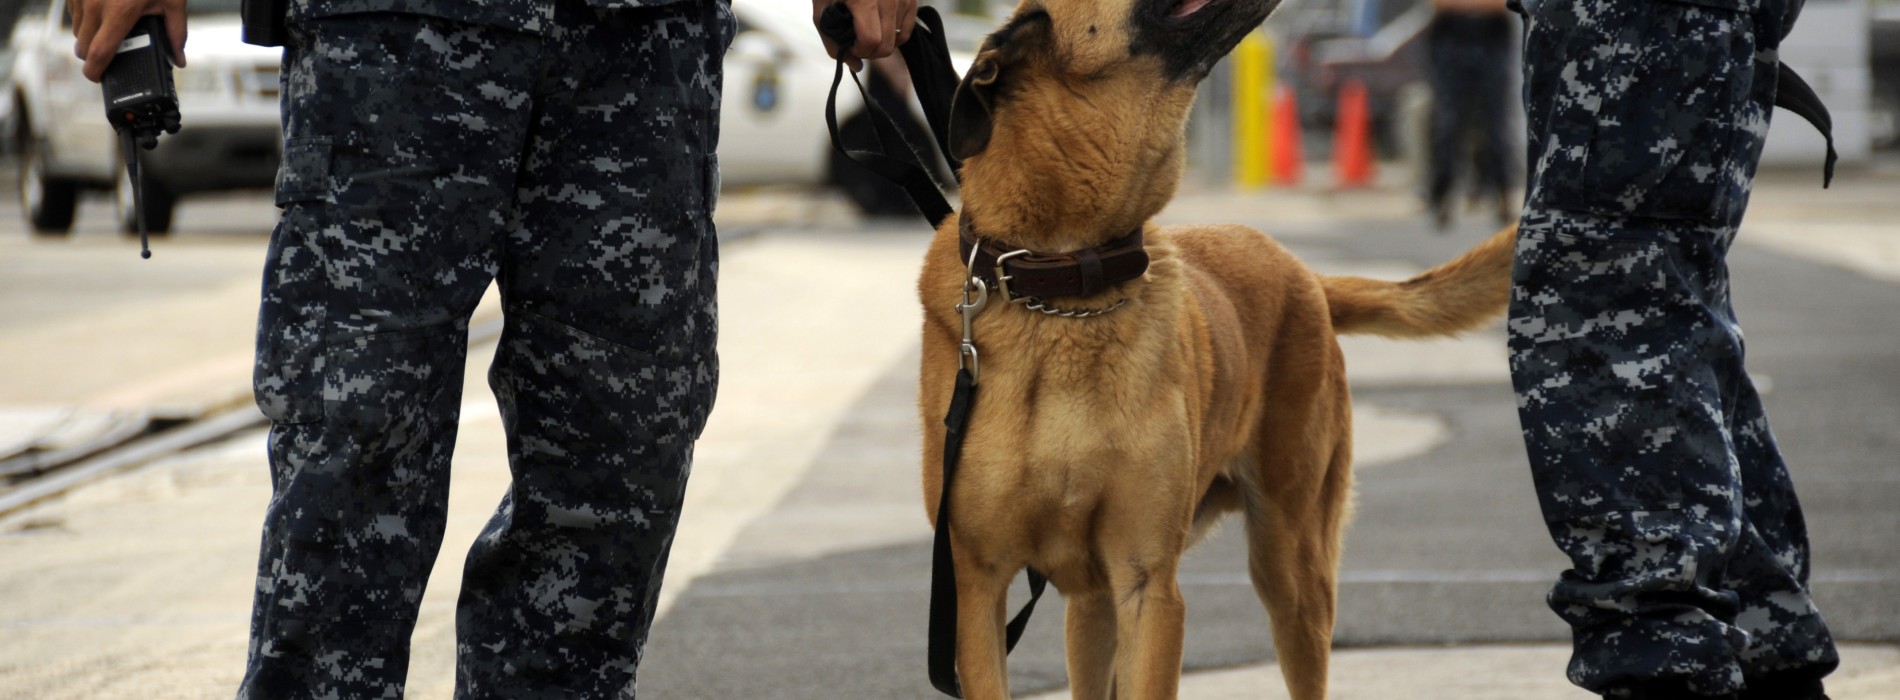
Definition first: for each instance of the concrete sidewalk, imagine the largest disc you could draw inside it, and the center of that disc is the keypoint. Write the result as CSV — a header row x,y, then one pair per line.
x,y
139,586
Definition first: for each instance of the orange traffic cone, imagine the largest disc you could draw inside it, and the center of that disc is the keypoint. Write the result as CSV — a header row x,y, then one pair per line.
x,y
1352,149
1288,158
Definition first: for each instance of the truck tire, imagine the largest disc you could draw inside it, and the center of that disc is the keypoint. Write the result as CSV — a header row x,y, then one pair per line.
x,y
49,202
159,204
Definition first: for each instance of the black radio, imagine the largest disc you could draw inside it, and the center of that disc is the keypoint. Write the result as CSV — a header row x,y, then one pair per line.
x,y
141,101
138,87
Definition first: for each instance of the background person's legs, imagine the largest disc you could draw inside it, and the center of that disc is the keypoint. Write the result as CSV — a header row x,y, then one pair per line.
x,y
1496,174
1451,97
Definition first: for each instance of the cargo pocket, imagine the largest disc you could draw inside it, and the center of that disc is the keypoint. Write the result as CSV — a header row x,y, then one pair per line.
x,y
287,380
305,172
1666,137
1613,419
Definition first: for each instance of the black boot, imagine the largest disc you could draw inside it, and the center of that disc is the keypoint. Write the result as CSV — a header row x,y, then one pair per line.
x,y
1670,689
1786,685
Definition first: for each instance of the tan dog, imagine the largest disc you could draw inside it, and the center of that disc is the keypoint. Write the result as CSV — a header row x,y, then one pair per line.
x,y
1100,448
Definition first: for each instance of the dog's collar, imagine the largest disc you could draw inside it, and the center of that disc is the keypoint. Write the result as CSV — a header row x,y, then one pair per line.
x,y
1023,274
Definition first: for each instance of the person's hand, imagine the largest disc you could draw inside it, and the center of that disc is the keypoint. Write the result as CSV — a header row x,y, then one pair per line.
x,y
881,26
99,26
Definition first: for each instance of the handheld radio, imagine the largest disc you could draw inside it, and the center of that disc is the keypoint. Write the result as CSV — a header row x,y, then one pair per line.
x,y
141,102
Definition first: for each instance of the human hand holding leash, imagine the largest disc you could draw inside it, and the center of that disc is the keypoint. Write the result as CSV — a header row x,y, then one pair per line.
x,y
99,26
880,26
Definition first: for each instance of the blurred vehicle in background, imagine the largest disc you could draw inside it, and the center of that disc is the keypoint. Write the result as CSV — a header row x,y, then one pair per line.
x,y
772,131
8,112
9,14
778,76
1885,44
228,97
772,119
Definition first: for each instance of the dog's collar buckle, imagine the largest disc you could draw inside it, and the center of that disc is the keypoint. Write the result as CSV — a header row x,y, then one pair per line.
x,y
1003,277
1023,276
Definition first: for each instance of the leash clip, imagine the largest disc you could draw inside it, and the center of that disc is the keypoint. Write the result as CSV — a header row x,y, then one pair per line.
x,y
976,295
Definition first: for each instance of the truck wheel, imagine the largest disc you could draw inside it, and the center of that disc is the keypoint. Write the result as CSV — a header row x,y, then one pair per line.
x,y
159,204
49,202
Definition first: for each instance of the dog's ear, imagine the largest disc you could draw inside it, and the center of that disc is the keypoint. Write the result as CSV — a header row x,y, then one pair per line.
x,y
973,108
970,109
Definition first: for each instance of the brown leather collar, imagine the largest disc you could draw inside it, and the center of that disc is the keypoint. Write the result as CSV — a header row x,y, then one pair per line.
x,y
1024,273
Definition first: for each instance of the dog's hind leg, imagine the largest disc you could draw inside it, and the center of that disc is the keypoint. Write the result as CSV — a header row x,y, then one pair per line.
x,y
1091,646
1294,521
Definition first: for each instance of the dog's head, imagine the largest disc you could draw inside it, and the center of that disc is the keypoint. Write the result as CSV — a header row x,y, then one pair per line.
x,y
1071,121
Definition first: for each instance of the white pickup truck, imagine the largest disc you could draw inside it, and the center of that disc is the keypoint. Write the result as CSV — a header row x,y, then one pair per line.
x,y
228,97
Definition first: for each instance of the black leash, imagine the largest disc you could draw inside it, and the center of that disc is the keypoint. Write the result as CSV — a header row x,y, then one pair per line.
x,y
902,164
927,58
943,576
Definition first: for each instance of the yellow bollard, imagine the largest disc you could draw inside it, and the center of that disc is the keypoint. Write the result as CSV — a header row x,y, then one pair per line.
x,y
1252,110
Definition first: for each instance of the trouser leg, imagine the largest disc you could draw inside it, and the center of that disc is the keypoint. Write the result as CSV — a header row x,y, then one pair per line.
x,y
1770,565
1614,350
383,250
1448,96
1492,105
606,369
1651,456
1654,465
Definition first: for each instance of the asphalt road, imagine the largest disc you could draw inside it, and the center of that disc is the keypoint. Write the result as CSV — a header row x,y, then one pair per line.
x,y
1447,547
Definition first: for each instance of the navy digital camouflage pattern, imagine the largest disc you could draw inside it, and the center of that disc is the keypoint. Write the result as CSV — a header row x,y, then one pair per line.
x,y
424,157
1654,463
531,16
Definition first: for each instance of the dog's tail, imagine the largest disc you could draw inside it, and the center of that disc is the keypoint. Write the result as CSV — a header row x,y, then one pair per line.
x,y
1445,300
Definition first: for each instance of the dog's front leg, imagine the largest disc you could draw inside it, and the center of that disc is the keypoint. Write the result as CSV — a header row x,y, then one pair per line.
x,y
1150,618
1091,646
982,655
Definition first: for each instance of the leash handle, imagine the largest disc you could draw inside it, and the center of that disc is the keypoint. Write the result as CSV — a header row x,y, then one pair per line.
x,y
933,77
901,166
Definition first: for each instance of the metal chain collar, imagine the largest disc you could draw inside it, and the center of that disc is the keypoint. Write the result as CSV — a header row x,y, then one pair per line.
x,y
1035,304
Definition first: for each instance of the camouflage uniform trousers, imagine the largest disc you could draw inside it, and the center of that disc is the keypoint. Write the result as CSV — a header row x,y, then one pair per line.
x,y
1655,467
424,158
